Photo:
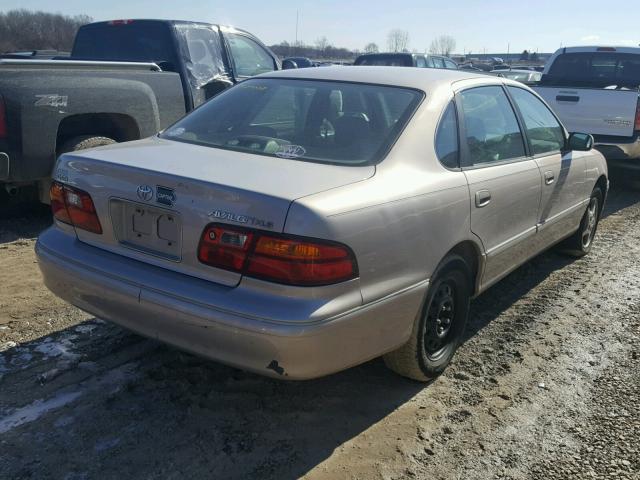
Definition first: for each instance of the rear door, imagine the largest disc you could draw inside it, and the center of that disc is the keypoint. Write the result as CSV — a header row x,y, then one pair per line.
x,y
504,183
563,173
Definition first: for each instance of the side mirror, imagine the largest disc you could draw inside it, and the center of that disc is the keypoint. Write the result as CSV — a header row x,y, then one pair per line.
x,y
289,64
581,142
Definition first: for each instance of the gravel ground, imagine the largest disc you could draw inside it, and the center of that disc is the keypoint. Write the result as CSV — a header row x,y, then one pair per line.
x,y
545,386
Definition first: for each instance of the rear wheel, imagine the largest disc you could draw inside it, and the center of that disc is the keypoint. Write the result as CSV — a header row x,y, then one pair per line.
x,y
579,244
83,142
438,330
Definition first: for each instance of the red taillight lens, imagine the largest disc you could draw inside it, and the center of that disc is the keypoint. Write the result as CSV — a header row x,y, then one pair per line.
x,y
276,258
225,248
637,127
58,207
74,206
297,262
4,131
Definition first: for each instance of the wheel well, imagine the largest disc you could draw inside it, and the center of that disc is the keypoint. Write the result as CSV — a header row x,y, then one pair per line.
x,y
121,128
471,254
602,184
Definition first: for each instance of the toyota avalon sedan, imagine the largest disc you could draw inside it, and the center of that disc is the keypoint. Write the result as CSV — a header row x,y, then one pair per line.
x,y
306,221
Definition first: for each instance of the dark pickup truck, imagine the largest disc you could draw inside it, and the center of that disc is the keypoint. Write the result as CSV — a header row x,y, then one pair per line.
x,y
124,80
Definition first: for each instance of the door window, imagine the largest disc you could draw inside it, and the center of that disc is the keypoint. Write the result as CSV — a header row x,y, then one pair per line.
x,y
447,138
450,65
249,57
437,62
544,131
420,62
491,129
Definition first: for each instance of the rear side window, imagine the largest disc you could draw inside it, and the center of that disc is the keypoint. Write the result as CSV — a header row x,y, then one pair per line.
x,y
491,129
545,133
447,138
420,62
137,41
385,60
320,121
249,57
601,68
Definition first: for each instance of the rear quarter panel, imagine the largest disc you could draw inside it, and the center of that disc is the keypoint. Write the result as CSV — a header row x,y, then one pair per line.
x,y
153,99
401,222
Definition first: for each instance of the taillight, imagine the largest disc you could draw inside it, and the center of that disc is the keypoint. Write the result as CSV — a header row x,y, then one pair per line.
x,y
277,258
637,127
4,131
74,206
224,247
58,207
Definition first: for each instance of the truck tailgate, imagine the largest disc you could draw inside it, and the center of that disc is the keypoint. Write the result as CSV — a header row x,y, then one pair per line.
x,y
595,111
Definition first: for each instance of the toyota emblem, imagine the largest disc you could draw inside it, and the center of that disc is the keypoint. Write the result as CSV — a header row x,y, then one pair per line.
x,y
145,192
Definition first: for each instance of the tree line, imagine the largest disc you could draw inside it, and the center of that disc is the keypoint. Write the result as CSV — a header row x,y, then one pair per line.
x,y
397,41
28,30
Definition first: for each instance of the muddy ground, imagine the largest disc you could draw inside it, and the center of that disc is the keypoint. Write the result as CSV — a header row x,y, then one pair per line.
x,y
546,385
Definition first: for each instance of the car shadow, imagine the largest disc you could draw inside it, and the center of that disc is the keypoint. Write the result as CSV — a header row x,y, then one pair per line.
x,y
624,191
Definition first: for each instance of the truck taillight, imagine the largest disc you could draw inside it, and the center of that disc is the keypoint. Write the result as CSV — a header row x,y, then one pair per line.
x,y
276,258
3,119
637,127
75,207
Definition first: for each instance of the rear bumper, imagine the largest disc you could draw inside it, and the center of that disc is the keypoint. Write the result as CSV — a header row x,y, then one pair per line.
x,y
619,148
94,280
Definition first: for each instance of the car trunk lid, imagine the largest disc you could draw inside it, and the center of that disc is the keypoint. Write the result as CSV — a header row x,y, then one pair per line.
x,y
154,197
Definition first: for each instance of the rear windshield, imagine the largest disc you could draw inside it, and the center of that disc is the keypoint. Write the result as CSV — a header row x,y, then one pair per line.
x,y
597,68
385,60
138,41
319,121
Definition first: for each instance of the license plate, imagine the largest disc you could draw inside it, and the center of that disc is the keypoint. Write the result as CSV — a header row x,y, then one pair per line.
x,y
152,230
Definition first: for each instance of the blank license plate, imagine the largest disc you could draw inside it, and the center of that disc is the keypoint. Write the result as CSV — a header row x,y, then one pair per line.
x,y
152,230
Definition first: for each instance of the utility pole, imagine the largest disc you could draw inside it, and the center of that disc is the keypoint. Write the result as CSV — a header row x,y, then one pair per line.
x,y
295,45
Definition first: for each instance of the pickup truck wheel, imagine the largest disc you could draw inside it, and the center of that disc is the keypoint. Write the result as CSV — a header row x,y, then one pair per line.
x,y
579,244
438,330
84,142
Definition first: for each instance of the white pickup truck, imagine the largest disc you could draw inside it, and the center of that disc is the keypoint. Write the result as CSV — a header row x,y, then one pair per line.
x,y
596,90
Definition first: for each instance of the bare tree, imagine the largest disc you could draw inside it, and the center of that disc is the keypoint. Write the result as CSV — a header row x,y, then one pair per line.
x,y
443,45
397,40
371,48
27,30
322,44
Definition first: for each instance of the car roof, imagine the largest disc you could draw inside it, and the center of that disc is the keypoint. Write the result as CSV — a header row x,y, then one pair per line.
x,y
600,49
419,78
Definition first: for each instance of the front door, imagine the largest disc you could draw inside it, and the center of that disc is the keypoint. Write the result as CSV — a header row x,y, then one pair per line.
x,y
562,173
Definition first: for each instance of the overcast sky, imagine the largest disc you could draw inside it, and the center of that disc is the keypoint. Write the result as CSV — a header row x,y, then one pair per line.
x,y
494,25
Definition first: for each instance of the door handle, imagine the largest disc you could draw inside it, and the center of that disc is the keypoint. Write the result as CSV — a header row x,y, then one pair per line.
x,y
549,178
567,98
483,198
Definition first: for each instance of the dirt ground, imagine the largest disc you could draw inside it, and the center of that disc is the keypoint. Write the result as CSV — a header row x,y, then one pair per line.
x,y
546,385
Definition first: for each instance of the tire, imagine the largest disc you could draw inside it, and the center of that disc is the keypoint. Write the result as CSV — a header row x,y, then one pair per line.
x,y
438,330
84,142
579,244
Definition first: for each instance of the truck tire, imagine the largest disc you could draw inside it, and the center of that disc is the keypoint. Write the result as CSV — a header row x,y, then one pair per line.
x,y
84,142
438,329
579,244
